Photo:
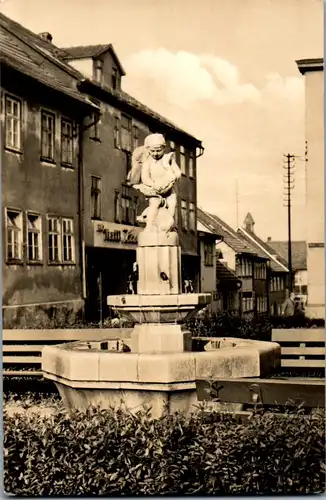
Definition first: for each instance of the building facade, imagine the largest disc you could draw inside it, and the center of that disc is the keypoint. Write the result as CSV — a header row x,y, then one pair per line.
x,y
242,259
42,119
313,71
299,264
277,272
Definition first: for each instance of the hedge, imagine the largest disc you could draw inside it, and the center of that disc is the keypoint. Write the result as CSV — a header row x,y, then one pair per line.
x,y
109,453
230,324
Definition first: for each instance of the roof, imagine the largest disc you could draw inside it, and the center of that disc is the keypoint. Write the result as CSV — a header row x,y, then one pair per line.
x,y
46,49
299,253
87,85
263,250
233,239
13,55
225,276
57,56
306,65
91,51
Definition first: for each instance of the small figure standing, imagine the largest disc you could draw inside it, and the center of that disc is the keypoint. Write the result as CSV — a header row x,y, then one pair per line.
x,y
288,306
154,174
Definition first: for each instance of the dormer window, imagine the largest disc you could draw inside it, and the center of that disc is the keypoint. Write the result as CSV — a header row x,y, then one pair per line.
x,y
114,78
98,71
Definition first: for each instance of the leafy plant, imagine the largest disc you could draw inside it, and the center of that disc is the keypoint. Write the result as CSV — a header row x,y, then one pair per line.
x,y
104,453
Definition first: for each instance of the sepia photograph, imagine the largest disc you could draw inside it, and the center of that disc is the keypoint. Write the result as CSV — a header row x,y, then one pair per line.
x,y
163,264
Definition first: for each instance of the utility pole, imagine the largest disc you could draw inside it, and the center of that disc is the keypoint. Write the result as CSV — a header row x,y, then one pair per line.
x,y
288,186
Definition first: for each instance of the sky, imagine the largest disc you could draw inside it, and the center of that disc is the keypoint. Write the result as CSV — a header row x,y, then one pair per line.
x,y
225,71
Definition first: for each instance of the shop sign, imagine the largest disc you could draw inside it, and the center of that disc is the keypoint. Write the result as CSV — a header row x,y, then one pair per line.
x,y
109,234
316,245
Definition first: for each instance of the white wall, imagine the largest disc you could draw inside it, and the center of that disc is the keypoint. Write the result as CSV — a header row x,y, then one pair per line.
x,y
228,254
315,192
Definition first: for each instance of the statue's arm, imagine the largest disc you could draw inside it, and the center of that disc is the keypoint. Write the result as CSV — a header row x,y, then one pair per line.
x,y
145,175
175,167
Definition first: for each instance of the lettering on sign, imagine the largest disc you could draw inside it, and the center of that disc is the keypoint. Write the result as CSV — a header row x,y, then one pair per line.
x,y
316,245
126,236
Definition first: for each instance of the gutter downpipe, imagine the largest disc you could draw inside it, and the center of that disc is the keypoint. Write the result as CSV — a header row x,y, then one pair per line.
x,y
81,209
81,205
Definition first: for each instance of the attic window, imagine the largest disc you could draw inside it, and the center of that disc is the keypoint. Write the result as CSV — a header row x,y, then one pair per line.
x,y
114,78
98,71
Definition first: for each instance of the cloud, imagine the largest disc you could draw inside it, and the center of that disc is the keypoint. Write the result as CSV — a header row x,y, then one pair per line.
x,y
289,88
186,78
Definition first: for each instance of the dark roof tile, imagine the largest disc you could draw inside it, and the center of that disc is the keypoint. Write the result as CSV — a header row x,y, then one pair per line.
x,y
13,55
233,239
299,253
263,251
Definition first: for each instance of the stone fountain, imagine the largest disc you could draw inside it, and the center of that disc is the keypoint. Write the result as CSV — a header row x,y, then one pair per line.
x,y
158,367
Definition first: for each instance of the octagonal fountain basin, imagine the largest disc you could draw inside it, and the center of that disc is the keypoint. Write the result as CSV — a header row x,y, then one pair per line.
x,y
109,374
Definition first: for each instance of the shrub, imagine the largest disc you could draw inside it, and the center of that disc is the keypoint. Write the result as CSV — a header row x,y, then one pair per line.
x,y
111,453
296,322
230,324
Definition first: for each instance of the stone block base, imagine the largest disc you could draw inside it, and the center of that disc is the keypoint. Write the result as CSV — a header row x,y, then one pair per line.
x,y
159,400
158,338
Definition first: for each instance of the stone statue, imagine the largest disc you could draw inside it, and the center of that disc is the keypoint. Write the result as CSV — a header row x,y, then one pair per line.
x,y
154,174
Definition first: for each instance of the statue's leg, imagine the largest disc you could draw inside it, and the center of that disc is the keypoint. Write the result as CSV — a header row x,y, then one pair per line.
x,y
153,208
171,203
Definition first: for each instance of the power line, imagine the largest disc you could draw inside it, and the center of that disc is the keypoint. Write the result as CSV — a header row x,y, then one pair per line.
x,y
288,178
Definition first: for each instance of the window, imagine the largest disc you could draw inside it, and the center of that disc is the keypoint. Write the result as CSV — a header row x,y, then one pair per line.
x,y
182,160
172,146
34,237
191,164
67,240
95,197
244,267
13,123
261,304
61,240
184,215
128,212
260,270
135,137
54,239
117,143
192,217
66,142
98,71
125,133
117,206
114,78
247,303
208,254
282,284
14,223
47,136
128,161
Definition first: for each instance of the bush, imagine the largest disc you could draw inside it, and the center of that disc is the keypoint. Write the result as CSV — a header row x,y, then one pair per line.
x,y
230,324
296,322
111,453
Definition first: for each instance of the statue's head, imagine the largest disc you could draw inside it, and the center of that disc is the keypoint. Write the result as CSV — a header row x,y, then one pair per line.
x,y
155,144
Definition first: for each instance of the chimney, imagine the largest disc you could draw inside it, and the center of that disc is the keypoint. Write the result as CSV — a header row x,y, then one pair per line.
x,y
269,238
46,36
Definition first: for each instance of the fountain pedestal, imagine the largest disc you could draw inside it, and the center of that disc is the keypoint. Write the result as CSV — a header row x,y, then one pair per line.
x,y
159,309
